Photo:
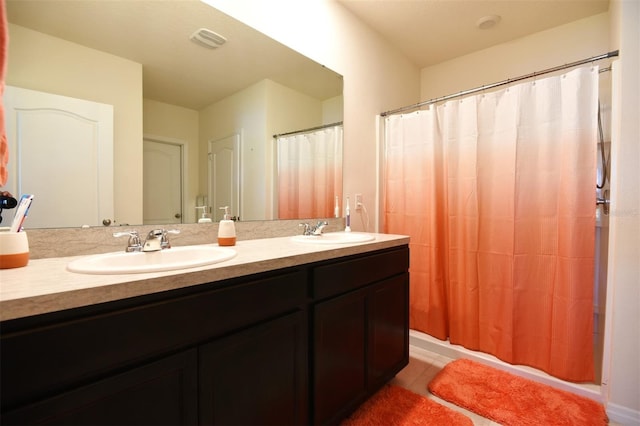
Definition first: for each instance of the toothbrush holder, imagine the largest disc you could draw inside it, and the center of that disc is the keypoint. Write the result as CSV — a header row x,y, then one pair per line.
x,y
14,249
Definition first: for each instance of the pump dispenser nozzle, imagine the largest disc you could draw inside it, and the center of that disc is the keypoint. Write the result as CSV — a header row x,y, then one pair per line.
x,y
226,215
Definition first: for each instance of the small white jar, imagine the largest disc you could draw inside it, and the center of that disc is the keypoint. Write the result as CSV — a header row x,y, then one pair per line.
x,y
14,249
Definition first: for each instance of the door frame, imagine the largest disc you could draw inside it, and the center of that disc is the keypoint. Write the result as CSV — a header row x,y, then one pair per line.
x,y
183,158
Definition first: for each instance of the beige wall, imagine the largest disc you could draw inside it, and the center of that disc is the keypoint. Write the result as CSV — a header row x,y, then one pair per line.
x,y
257,113
41,62
174,124
623,304
288,110
564,44
333,110
242,113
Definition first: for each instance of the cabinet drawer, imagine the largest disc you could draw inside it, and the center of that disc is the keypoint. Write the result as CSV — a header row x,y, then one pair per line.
x,y
159,393
55,356
341,277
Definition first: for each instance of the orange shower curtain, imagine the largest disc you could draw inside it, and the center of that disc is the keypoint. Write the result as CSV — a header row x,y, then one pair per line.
x,y
309,173
496,192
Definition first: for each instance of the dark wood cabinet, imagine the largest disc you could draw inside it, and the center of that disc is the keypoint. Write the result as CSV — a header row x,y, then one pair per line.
x,y
388,329
360,341
159,393
297,345
339,362
258,376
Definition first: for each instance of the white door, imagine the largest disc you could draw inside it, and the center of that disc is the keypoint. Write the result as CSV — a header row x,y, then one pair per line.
x,y
61,151
161,183
224,176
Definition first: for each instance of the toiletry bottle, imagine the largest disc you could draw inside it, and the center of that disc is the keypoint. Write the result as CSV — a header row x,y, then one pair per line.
x,y
226,229
336,208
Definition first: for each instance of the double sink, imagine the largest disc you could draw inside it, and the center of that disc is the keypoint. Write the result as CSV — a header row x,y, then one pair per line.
x,y
177,258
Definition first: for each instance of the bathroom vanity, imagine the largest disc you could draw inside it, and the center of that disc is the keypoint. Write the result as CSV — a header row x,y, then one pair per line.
x,y
283,333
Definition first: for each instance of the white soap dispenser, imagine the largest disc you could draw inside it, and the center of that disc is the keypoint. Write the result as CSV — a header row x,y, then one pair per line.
x,y
226,229
204,216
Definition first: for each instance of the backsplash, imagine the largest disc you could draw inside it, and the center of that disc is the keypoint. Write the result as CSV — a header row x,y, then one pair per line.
x,y
62,242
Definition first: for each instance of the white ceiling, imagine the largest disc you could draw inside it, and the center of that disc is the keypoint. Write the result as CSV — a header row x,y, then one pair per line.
x,y
432,31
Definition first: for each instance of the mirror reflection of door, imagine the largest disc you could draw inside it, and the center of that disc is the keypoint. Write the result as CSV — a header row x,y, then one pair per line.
x,y
224,176
48,133
162,183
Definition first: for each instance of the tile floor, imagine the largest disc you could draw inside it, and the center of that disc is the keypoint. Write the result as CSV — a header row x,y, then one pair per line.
x,y
423,366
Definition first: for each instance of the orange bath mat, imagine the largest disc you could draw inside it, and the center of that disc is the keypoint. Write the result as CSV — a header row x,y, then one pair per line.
x,y
512,400
396,406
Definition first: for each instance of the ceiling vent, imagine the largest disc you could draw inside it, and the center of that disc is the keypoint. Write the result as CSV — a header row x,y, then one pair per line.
x,y
208,38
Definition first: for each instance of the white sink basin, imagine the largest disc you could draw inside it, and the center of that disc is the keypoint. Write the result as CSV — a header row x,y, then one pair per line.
x,y
163,260
334,238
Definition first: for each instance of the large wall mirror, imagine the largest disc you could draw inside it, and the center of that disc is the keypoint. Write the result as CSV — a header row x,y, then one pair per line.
x,y
217,107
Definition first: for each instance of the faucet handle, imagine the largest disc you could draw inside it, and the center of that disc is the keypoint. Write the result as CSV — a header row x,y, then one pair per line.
x,y
307,228
134,243
164,242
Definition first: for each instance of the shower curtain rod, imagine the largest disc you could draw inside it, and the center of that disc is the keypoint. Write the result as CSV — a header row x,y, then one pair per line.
x,y
311,129
501,83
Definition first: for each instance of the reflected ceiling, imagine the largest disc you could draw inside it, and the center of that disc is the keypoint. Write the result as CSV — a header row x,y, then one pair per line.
x,y
132,29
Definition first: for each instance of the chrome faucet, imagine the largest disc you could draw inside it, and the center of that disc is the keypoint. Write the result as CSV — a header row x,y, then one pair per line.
x,y
313,230
153,242
158,239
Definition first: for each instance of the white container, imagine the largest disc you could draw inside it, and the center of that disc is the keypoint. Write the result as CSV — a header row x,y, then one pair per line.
x,y
14,249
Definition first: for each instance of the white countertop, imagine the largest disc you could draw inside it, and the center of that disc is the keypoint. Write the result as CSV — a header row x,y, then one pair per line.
x,y
45,285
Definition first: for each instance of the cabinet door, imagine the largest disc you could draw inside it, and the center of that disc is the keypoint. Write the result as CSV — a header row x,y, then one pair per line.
x,y
388,329
339,361
361,340
159,393
257,376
